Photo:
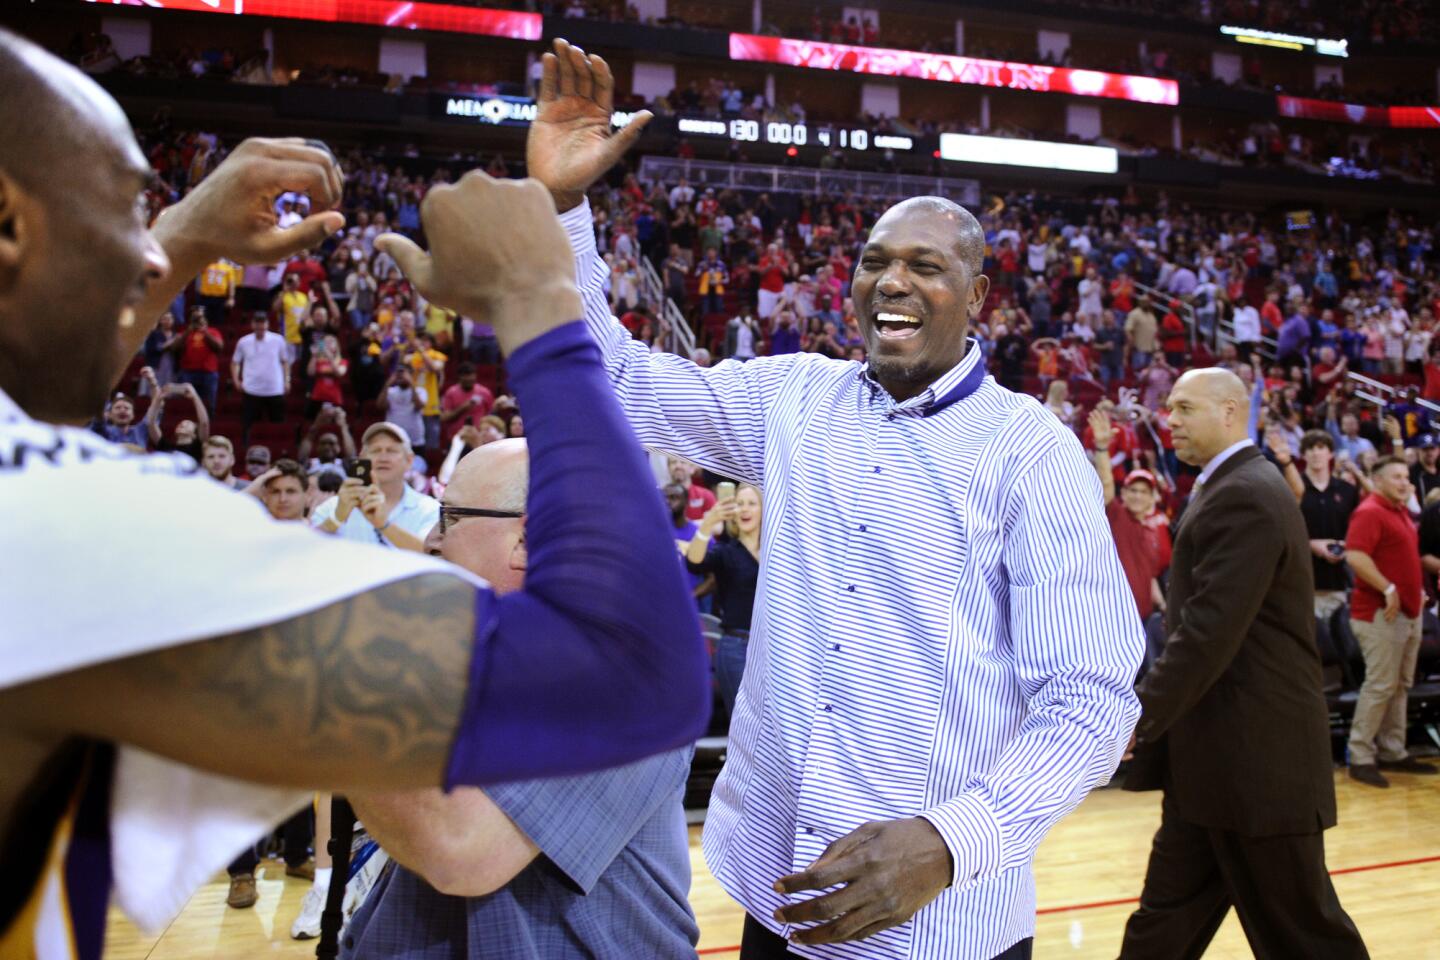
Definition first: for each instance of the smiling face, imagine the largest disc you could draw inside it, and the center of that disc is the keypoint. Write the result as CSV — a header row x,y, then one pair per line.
x,y
915,288
748,510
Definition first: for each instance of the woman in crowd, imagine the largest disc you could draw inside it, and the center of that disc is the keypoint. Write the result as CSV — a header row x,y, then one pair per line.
x,y
325,369
735,563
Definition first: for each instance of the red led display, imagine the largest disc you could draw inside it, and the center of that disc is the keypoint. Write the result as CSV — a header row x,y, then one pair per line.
x,y
1307,109
952,69
447,17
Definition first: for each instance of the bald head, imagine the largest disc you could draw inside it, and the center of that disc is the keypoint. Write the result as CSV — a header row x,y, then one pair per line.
x,y
53,119
1209,411
495,476
969,236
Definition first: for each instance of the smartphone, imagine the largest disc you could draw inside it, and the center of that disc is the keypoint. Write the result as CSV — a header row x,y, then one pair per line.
x,y
723,489
359,468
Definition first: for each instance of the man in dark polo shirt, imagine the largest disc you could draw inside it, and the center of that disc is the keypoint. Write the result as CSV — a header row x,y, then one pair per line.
x,y
1425,474
1135,545
1326,505
1384,551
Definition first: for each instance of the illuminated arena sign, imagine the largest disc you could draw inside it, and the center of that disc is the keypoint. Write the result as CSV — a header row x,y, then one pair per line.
x,y
1305,108
1288,41
446,17
952,69
1043,154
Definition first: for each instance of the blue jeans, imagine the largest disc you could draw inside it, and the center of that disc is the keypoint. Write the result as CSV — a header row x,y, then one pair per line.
x,y
1139,360
730,667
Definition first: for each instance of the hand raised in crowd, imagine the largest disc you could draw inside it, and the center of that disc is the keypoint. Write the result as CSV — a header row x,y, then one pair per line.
x,y
570,145
1279,446
1392,427
718,515
374,506
497,252
886,871
1101,428
352,492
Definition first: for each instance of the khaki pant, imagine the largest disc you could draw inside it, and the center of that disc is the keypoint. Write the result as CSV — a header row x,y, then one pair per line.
x,y
1390,651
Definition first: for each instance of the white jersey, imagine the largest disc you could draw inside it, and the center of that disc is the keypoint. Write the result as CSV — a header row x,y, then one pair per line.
x,y
109,554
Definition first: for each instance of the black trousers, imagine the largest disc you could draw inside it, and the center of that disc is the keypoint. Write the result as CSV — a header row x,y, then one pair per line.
x,y
1278,886
296,835
251,408
759,943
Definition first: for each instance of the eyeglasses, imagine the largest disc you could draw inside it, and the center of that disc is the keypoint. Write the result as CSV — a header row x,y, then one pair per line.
x,y
450,515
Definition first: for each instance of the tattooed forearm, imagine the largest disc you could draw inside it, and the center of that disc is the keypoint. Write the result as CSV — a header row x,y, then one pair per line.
x,y
364,693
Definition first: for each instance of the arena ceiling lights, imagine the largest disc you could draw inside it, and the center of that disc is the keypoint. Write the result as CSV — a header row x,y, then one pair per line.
x,y
1288,41
946,68
447,17
1043,154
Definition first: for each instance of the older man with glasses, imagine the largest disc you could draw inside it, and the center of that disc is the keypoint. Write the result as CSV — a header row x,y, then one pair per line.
x,y
561,869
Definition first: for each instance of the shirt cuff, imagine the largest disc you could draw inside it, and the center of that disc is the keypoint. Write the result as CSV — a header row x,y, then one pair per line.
x,y
973,834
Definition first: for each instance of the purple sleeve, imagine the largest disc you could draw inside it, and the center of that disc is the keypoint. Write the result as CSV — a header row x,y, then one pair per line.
x,y
598,661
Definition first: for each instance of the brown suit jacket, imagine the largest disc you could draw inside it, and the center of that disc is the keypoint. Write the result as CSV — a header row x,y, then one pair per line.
x,y
1234,725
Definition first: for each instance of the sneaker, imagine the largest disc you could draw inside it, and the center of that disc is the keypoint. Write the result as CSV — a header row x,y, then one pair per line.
x,y
1408,765
307,925
304,871
242,892
1369,774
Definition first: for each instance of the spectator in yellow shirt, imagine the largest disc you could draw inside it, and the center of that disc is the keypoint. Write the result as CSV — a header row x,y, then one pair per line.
x,y
429,367
215,288
439,323
292,307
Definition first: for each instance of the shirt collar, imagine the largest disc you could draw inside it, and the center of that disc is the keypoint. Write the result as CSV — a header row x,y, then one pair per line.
x,y
1219,459
955,384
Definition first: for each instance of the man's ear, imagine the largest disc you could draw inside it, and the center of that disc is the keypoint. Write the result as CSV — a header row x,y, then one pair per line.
x,y
979,290
16,228
519,558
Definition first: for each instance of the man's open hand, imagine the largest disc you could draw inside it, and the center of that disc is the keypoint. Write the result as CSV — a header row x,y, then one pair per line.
x,y
886,871
570,145
497,252
232,213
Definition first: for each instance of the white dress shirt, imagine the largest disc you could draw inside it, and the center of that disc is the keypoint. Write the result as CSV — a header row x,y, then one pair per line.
x,y
942,627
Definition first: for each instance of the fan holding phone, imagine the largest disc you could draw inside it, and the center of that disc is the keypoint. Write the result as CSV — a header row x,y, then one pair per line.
x,y
375,504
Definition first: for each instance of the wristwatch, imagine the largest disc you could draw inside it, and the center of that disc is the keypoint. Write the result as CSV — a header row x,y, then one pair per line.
x,y
1390,589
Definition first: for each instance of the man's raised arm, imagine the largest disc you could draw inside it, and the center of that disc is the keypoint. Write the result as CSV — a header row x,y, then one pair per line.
x,y
714,417
425,679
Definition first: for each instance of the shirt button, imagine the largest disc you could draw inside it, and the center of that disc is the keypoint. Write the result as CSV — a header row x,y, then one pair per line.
x,y
877,469
862,528
889,416
827,708
835,646
809,829
850,589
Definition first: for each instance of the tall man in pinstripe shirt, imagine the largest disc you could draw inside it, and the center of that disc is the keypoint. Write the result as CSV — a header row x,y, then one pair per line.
x,y
944,645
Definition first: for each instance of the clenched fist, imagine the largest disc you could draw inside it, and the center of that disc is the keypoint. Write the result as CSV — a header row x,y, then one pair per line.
x,y
497,253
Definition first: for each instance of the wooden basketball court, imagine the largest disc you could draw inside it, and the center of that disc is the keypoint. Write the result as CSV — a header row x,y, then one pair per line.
x,y
1385,855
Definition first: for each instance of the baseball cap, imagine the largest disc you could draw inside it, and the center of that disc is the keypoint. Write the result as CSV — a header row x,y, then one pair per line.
x,y
1145,475
385,426
1427,440
257,455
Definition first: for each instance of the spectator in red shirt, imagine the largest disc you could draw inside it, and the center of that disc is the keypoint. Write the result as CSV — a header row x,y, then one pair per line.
x,y
698,499
310,270
776,270
326,368
1383,550
1135,543
1123,447
200,348
1270,315
1172,336
466,402
1326,372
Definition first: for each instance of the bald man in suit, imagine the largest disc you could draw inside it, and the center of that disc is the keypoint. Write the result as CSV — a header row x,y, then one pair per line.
x,y
1233,725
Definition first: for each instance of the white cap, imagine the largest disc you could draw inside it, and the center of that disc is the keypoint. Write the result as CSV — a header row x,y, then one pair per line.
x,y
385,426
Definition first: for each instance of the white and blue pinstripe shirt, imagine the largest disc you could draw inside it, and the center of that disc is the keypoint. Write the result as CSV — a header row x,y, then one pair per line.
x,y
942,627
